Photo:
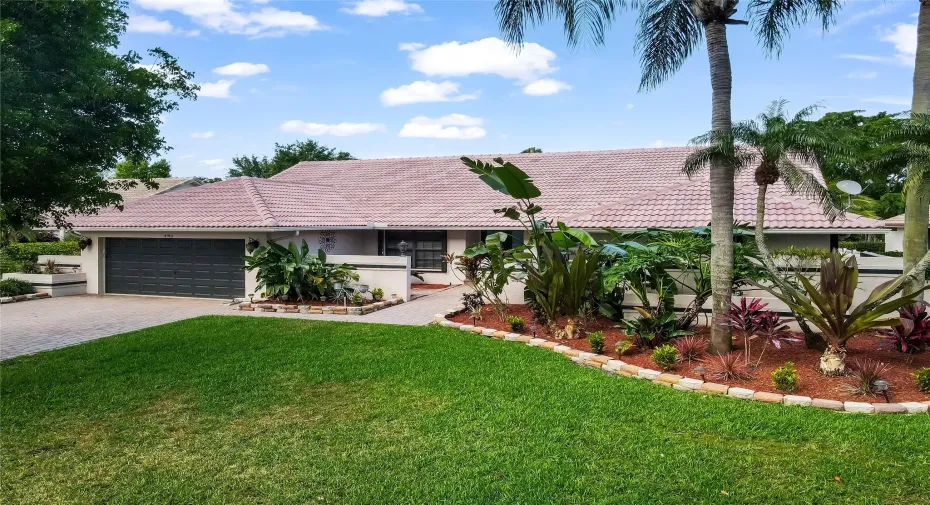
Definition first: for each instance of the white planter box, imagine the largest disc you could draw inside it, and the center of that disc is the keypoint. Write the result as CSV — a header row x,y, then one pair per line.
x,y
54,284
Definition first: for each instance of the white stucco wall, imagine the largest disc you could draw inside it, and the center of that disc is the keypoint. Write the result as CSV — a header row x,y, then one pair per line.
x,y
894,240
345,241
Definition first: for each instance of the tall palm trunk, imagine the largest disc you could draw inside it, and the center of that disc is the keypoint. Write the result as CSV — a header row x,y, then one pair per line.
x,y
917,209
721,190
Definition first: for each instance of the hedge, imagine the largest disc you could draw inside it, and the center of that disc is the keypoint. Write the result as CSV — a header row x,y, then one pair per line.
x,y
872,246
14,256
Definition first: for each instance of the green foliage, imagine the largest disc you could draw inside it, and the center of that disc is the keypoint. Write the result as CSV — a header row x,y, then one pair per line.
x,y
665,356
517,324
785,377
15,287
357,299
292,272
827,305
531,150
285,156
922,378
14,257
72,106
141,169
622,347
377,293
492,270
596,341
652,327
870,246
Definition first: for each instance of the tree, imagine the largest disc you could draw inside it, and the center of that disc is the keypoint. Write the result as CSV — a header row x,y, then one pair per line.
x,y
72,106
529,150
773,144
917,204
668,32
129,169
285,156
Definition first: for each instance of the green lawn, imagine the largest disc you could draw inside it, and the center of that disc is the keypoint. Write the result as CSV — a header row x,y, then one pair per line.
x,y
257,410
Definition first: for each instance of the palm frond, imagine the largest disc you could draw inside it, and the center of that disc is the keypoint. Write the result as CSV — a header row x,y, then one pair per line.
x,y
801,182
720,149
668,33
580,18
773,20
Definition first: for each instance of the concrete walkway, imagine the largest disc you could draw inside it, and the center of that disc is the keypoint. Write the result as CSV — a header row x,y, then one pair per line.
x,y
42,325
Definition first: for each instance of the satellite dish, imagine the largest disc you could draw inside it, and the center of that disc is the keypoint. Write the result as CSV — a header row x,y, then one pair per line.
x,y
849,187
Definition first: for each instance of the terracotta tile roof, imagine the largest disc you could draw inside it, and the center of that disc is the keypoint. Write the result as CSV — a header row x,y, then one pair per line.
x,y
165,184
632,188
243,202
895,222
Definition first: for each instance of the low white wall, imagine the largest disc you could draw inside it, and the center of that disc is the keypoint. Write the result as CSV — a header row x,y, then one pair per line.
x,y
64,261
54,284
390,273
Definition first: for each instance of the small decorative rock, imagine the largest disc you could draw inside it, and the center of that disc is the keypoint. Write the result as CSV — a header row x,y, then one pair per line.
x,y
44,295
762,396
478,330
31,296
439,318
446,323
797,400
249,309
629,370
245,304
889,408
355,311
328,310
668,378
585,355
466,327
859,407
282,310
561,349
548,345
645,373
6,299
714,388
916,407
316,310
600,358
820,403
536,342
340,310
489,332
499,335
614,364
741,393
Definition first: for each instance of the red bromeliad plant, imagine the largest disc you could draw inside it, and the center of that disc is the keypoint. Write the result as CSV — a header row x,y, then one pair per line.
x,y
746,318
913,334
772,330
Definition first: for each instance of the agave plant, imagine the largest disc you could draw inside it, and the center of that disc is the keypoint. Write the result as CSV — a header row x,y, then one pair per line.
x,y
828,306
913,334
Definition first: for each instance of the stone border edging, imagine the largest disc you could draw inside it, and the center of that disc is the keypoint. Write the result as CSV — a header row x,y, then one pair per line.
x,y
23,298
618,367
294,308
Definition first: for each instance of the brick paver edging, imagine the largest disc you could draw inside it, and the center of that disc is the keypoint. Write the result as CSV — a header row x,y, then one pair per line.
x,y
23,298
351,310
618,367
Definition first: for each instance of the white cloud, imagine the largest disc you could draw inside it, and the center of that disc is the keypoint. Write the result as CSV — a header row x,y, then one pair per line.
x,y
544,87
202,135
658,143
218,89
862,74
629,106
858,17
339,130
140,23
242,69
485,56
452,126
889,100
904,38
866,57
378,8
212,162
226,17
186,156
424,91
410,46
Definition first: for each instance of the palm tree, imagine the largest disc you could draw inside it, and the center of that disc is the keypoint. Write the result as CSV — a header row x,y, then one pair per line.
x,y
668,32
774,144
917,203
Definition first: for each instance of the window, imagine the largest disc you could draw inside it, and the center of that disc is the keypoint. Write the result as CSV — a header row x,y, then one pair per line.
x,y
425,248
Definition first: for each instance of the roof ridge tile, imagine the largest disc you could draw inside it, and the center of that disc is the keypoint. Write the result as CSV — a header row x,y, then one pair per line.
x,y
264,212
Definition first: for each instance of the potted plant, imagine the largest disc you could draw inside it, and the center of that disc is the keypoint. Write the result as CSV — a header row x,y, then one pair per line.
x,y
357,299
377,294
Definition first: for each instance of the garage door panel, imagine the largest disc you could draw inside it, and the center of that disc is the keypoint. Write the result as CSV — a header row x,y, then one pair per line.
x,y
177,267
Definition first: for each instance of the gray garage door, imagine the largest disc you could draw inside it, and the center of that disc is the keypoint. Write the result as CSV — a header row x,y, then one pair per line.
x,y
175,267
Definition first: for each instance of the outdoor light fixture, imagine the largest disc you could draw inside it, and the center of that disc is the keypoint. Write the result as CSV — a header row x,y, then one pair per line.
x,y
250,297
84,243
533,328
700,371
881,386
403,246
251,245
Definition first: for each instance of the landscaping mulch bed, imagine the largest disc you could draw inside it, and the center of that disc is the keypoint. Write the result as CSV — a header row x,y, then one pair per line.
x,y
902,387
428,286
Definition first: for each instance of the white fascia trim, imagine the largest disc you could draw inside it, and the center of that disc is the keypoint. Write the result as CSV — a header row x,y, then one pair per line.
x,y
233,230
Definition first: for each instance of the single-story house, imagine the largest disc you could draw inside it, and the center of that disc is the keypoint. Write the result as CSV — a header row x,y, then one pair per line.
x,y
165,185
192,242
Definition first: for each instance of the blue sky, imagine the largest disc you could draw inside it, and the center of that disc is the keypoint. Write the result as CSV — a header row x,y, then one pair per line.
x,y
397,78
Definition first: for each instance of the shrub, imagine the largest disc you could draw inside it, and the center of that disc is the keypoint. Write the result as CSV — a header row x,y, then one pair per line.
x,y
690,348
596,339
15,287
913,334
864,374
872,246
14,256
728,367
516,323
785,377
293,272
357,299
665,356
377,293
472,303
622,347
922,377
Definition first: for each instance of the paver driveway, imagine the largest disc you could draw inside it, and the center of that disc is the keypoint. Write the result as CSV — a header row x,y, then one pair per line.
x,y
41,325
